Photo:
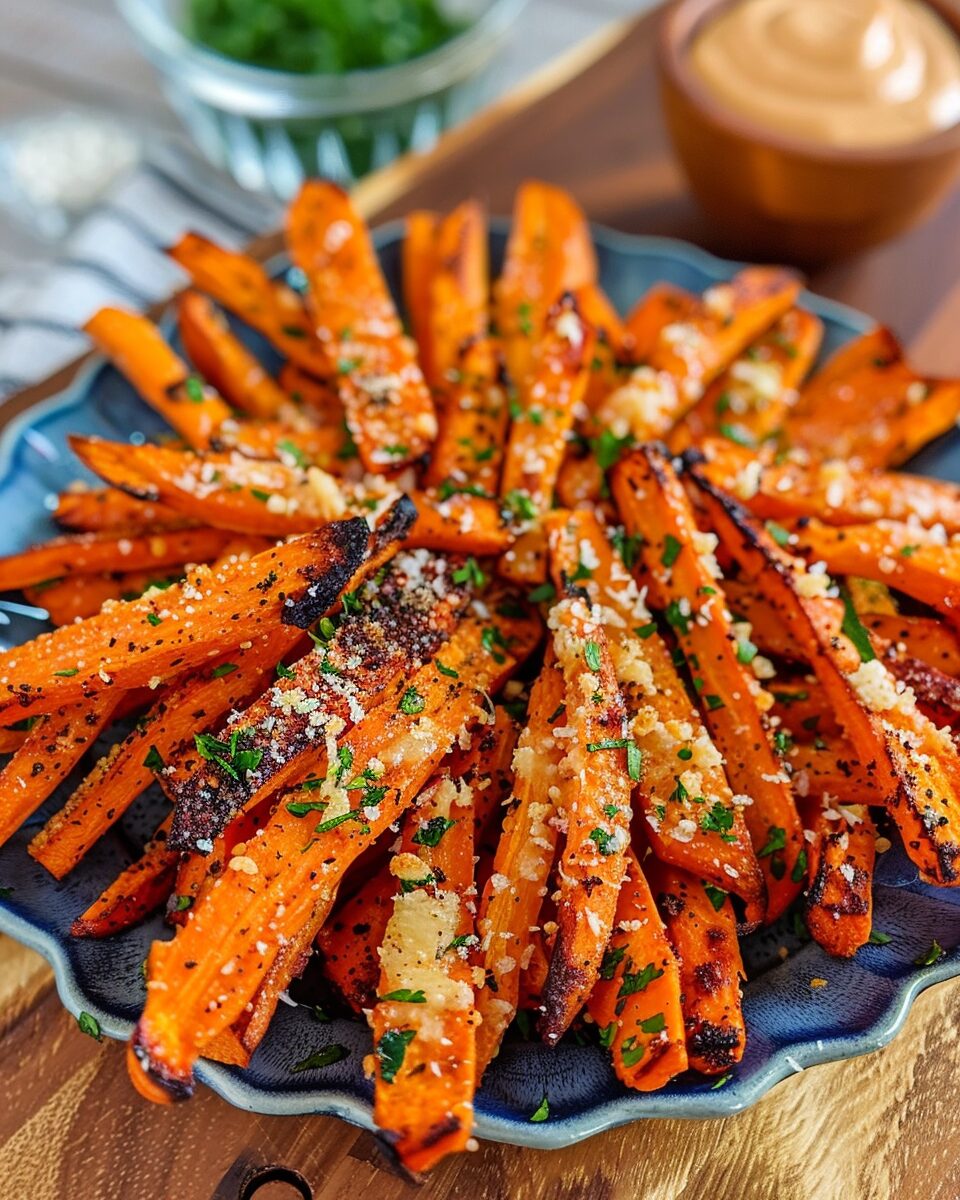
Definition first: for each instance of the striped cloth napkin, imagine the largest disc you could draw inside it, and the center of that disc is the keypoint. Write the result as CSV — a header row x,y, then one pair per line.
x,y
116,256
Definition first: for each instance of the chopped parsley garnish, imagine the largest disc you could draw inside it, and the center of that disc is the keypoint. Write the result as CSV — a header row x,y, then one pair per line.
x,y
68,672
717,819
326,1057
646,631
406,996
638,981
520,504
632,1051
462,941
655,1024
746,651
524,318
776,840
448,489
605,842
154,760
677,617
906,551
714,702
542,1111
352,603
591,656
431,832
411,702
90,1026
490,639
182,903
792,698
716,896
777,532
877,938
470,573
300,808
193,386
334,822
933,955
611,960
853,627
448,671
736,434
627,546
799,867
607,448
284,672
346,365
671,550
292,450
228,756
154,619
679,793
582,572
544,594
782,742
223,669
607,1034
721,1082
397,450
260,494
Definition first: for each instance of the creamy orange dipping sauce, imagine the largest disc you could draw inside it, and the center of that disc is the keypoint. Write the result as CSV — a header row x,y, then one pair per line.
x,y
848,73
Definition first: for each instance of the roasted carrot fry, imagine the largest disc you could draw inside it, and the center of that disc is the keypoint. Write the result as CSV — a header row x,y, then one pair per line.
x,y
350,941
709,836
600,766
663,305
317,398
49,752
137,349
130,767
12,739
840,897
636,1000
387,403
238,925
90,553
98,510
869,408
458,292
80,596
832,768
391,630
685,582
549,253
702,929
137,891
131,644
916,765
224,361
424,1021
513,897
418,264
242,286
747,404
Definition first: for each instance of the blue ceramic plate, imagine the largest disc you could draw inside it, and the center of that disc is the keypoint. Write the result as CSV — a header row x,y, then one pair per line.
x,y
791,1026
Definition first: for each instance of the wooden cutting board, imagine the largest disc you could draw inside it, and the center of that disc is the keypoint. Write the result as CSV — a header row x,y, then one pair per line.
x,y
878,1128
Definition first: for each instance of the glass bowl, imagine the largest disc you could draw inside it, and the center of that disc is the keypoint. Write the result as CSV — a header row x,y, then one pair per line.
x,y
272,129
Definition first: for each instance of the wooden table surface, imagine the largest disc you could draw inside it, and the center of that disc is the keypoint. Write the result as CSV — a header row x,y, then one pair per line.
x,y
883,1127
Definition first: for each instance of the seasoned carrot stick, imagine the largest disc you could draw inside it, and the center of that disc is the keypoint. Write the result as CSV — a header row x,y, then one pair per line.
x,y
131,644
224,361
840,898
459,289
137,891
235,932
349,943
702,929
685,582
130,767
636,1001
747,404
81,596
137,349
600,766
418,264
663,305
91,553
391,629
424,1022
12,739
49,752
916,765
692,818
550,252
242,287
513,897
318,399
832,767
388,405
869,408
97,510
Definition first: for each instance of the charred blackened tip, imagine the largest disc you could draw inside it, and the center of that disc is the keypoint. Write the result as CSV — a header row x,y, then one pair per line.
x,y
346,543
692,457
396,524
152,1081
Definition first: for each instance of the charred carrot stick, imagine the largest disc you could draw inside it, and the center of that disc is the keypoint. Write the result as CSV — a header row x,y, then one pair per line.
x,y
131,644
91,553
908,558
224,361
390,630
513,896
238,926
601,764
138,890
120,776
692,818
71,599
99,510
317,398
702,928
871,378
387,403
349,942
468,454
47,755
418,264
296,443
242,287
686,584
879,714
840,897
663,305
636,1001
424,1021
549,253
137,349
748,403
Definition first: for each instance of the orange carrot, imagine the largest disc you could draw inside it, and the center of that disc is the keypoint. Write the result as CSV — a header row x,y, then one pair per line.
x,y
840,898
77,597
419,262
95,510
137,891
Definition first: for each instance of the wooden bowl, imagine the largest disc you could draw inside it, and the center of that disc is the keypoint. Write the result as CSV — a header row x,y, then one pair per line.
x,y
778,197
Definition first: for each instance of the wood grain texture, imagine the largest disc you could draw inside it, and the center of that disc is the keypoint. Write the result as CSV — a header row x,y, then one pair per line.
x,y
884,1127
